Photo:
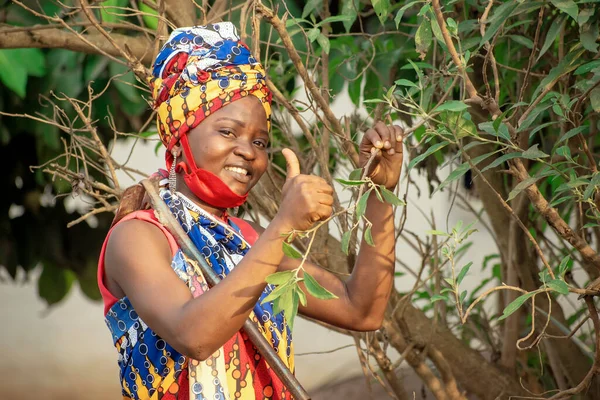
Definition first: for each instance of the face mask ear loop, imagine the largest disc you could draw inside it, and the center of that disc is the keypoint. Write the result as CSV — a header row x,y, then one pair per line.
x,y
188,155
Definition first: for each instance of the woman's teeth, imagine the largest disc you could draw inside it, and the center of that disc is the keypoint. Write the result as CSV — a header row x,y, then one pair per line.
x,y
238,170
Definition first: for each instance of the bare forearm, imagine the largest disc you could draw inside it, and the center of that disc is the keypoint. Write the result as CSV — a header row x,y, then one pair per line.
x,y
372,278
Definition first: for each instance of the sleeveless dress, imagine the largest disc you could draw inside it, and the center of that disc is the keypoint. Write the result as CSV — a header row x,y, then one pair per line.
x,y
151,369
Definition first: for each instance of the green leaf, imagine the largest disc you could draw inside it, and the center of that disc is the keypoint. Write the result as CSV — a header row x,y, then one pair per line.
x,y
361,205
301,295
347,182
437,233
523,41
463,296
338,18
54,283
390,197
324,43
558,286
452,105
564,265
589,36
423,38
124,82
36,61
516,304
294,21
313,34
490,127
568,135
150,16
355,175
401,11
278,291
502,159
589,191
368,236
309,6
462,169
284,301
521,186
501,14
291,252
315,289
12,75
588,67
567,6
438,297
382,9
463,273
552,34
350,10
427,153
405,82
279,278
346,241
595,99
109,9
459,125
290,307
533,152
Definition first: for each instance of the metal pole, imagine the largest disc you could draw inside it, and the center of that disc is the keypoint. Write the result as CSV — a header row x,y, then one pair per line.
x,y
187,246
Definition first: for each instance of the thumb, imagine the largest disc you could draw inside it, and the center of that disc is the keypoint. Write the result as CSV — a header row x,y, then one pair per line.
x,y
293,165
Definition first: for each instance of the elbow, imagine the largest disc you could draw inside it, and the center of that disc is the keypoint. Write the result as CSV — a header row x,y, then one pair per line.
x,y
369,325
193,348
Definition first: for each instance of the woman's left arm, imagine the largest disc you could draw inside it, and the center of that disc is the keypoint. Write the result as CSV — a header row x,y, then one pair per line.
x,y
363,297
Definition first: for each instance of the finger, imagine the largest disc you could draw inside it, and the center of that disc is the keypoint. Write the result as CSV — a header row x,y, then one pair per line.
x,y
373,137
293,165
324,212
324,187
399,133
324,199
388,136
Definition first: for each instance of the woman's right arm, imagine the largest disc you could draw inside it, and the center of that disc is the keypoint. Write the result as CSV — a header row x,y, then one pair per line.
x,y
138,264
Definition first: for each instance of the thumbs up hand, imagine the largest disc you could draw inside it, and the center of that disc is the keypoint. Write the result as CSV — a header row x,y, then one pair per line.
x,y
306,199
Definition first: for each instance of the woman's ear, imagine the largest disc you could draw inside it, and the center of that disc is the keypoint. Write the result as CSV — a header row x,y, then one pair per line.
x,y
176,151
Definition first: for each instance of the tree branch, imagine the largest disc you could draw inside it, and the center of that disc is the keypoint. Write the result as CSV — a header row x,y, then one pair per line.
x,y
141,48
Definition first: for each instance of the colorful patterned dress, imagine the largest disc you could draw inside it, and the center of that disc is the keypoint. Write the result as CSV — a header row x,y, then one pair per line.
x,y
151,369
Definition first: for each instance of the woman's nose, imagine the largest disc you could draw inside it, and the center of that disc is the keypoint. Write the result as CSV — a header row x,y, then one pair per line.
x,y
245,150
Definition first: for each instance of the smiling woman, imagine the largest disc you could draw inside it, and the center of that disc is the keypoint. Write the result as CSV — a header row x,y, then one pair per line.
x,y
176,338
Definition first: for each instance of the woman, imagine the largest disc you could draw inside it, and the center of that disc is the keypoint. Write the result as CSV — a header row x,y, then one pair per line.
x,y
175,338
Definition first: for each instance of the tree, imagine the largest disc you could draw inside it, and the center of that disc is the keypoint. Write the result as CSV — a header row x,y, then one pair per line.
x,y
506,92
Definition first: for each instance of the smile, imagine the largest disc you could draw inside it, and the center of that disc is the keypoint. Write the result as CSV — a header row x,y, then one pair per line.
x,y
237,170
238,173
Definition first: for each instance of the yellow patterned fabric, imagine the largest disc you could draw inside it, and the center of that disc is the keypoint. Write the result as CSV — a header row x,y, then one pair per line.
x,y
199,70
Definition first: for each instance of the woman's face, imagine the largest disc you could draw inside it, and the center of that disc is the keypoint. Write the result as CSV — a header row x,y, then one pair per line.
x,y
232,144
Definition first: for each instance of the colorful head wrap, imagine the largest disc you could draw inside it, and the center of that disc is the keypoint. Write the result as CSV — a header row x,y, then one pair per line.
x,y
199,70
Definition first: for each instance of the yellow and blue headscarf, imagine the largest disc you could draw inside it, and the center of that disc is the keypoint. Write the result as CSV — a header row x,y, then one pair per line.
x,y
199,70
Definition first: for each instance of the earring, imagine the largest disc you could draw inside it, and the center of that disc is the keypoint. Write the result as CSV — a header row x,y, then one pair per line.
x,y
173,175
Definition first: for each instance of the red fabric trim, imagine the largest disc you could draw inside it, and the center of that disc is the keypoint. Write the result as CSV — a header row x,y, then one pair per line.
x,y
148,215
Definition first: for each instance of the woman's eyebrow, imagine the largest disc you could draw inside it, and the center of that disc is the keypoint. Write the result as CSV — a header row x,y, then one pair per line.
x,y
240,123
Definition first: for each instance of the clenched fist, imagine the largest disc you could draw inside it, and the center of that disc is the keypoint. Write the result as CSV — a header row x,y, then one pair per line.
x,y
306,198
387,165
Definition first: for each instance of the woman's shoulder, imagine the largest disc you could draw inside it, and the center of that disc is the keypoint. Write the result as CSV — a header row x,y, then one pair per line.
x,y
250,230
139,230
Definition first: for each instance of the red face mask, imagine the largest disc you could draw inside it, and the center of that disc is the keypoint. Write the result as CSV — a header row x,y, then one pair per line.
x,y
206,185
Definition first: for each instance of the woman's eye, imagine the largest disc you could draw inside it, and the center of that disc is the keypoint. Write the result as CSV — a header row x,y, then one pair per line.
x,y
261,144
226,132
